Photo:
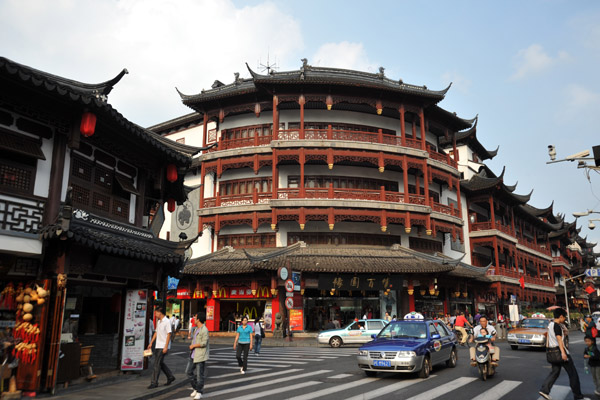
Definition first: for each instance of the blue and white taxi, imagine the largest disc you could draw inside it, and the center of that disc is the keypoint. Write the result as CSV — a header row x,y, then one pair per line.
x,y
360,331
407,346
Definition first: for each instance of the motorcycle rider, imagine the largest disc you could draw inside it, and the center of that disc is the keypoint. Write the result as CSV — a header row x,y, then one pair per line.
x,y
483,324
459,325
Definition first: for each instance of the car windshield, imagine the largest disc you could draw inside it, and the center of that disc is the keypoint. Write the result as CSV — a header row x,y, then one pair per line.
x,y
534,323
404,330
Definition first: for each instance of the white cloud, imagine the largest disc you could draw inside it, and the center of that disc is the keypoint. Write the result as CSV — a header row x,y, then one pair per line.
x,y
163,44
533,60
459,82
345,55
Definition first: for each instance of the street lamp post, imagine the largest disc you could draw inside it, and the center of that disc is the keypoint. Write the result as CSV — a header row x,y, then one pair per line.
x,y
566,299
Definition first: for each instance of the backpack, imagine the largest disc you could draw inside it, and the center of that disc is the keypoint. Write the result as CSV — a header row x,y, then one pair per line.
x,y
594,332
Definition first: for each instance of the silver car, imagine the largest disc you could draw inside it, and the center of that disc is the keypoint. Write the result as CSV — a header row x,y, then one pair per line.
x,y
360,331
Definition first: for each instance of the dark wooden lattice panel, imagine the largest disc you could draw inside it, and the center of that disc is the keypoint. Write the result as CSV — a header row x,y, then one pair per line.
x,y
81,195
101,202
120,209
103,177
81,169
21,216
15,177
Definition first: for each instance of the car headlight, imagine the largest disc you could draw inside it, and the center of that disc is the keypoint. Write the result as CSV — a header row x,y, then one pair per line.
x,y
538,337
402,354
363,353
511,336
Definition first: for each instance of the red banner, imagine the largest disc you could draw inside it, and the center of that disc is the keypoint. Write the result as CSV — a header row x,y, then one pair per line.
x,y
183,294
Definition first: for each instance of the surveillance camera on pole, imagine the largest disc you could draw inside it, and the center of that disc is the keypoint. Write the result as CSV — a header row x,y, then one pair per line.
x,y
581,214
591,225
552,152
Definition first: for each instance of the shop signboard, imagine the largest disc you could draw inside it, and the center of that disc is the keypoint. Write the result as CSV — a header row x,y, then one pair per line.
x,y
268,315
210,313
296,277
183,294
172,283
240,293
296,319
359,282
134,325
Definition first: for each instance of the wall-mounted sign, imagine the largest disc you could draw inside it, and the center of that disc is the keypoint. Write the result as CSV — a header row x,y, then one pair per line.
x,y
289,303
296,279
283,273
289,285
183,294
172,283
134,326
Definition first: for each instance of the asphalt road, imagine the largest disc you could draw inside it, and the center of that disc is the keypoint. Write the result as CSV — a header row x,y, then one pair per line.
x,y
321,372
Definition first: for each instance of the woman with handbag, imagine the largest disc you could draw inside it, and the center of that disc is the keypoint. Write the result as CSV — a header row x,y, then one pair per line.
x,y
558,356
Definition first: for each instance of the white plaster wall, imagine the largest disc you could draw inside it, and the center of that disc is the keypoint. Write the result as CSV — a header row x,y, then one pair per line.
x,y
193,136
209,188
166,227
42,175
465,228
20,245
203,245
290,170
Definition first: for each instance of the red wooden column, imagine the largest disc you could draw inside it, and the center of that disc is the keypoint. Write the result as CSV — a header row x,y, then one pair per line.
x,y
301,101
456,156
496,254
302,161
426,182
411,302
275,118
422,118
458,198
402,127
275,176
492,212
405,178
205,130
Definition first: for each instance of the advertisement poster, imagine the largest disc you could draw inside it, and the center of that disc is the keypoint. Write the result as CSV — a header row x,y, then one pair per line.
x,y
268,316
210,313
296,319
134,326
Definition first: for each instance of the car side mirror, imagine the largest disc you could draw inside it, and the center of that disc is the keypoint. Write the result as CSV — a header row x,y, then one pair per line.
x,y
373,336
435,336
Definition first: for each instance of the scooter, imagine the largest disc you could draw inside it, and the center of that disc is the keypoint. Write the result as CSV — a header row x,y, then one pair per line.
x,y
484,358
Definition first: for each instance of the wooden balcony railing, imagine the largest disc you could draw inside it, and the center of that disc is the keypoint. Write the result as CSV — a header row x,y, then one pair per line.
x,y
483,226
533,246
332,134
236,199
511,273
560,259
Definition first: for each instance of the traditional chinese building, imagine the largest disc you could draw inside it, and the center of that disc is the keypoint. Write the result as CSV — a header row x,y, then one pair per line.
x,y
342,161
81,195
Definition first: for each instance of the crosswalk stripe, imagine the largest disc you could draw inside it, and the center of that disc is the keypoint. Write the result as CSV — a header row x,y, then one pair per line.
x,y
340,376
262,383
334,389
558,392
251,371
238,368
257,360
263,365
283,357
251,396
387,390
498,390
443,389
250,378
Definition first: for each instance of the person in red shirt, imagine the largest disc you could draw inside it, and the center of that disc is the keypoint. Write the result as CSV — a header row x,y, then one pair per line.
x,y
459,325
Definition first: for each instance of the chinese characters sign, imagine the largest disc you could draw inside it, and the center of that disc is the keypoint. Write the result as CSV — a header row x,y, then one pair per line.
x,y
134,323
360,282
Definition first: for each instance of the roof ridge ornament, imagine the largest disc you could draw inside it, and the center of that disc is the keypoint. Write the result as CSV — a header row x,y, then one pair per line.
x,y
236,79
304,67
381,73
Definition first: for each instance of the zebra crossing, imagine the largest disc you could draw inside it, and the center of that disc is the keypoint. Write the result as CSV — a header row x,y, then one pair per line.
x,y
307,373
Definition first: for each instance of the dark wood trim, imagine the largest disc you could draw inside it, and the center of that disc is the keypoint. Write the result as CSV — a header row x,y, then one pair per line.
x,y
56,179
140,199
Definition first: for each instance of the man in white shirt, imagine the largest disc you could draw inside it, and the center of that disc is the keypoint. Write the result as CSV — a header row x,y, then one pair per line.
x,y
162,335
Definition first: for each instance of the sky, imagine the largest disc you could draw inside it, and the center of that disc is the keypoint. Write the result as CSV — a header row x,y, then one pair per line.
x,y
528,69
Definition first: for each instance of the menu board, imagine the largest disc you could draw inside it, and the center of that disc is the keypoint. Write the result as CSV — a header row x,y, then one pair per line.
x,y
296,319
134,325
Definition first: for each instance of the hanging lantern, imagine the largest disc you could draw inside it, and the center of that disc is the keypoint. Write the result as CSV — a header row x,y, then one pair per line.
x,y
254,287
171,205
411,288
171,173
379,107
88,124
437,292
329,102
431,290
257,110
465,294
422,291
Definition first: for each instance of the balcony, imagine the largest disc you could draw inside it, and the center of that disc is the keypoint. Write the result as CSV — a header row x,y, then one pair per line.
x,y
530,244
332,134
517,275
327,193
488,225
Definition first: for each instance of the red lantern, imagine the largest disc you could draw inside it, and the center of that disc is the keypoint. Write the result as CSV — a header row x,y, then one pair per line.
x,y
171,205
329,102
88,124
171,173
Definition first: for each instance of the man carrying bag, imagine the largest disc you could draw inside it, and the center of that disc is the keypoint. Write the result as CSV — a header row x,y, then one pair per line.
x,y
558,356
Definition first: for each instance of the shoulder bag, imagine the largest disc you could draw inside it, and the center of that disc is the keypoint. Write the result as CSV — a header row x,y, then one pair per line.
x,y
262,331
553,354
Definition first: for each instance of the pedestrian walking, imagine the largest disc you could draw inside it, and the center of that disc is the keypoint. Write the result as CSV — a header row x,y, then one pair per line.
x,y
556,346
199,353
243,338
592,355
259,334
162,336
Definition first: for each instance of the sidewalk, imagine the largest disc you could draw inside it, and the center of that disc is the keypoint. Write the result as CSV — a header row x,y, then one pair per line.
x,y
133,386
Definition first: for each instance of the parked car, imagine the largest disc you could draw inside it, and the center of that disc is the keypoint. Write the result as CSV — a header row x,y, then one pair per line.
x,y
531,332
409,346
360,331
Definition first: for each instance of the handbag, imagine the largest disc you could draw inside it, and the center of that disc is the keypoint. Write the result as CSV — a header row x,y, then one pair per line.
x,y
553,354
262,331
147,353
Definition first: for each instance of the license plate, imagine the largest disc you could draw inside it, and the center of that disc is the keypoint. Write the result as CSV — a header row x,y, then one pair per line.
x,y
524,341
382,363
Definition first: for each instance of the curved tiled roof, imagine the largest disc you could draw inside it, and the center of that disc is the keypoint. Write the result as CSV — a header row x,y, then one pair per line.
x,y
94,98
481,181
470,137
327,259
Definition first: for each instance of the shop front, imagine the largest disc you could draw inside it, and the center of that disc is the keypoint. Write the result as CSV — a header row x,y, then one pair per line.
x,y
429,303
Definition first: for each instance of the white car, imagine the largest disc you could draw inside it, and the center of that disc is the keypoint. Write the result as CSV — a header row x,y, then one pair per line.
x,y
360,331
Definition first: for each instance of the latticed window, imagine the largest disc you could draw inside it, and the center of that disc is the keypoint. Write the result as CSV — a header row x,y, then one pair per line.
x,y
15,177
325,238
255,240
101,202
424,245
81,169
